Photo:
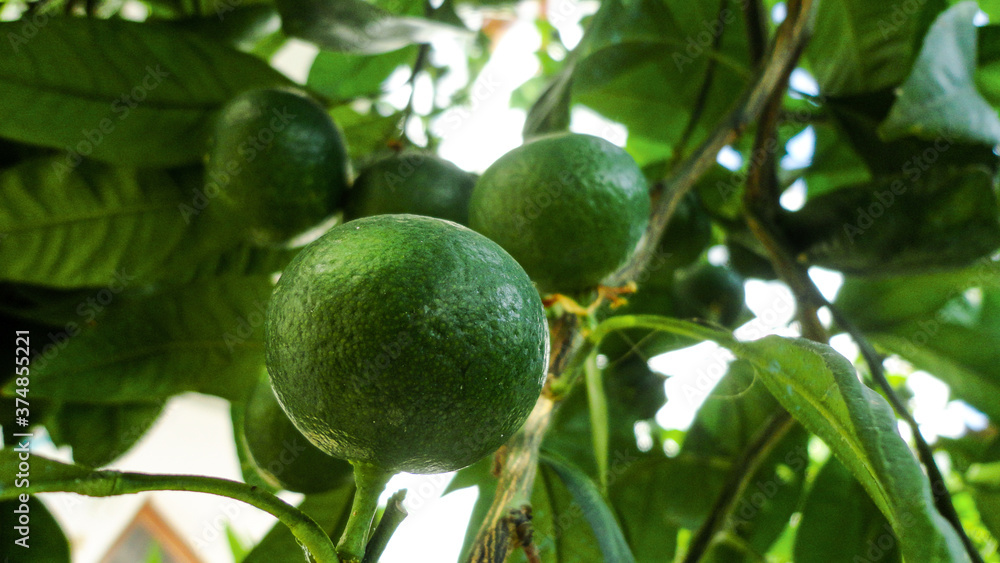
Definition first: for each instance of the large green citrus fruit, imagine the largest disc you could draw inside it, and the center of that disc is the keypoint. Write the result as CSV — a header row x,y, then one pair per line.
x,y
276,164
414,183
570,208
406,343
283,456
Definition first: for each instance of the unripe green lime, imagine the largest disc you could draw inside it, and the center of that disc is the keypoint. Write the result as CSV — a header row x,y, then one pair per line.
x,y
278,163
283,456
406,343
569,208
712,293
414,183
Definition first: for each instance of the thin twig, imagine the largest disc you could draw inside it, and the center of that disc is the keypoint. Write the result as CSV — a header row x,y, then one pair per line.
x,y
393,516
744,470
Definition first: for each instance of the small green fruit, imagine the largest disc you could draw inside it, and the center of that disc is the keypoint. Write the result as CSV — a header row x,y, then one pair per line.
x,y
569,208
279,164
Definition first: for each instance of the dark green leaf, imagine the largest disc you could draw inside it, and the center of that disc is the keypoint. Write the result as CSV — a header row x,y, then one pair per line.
x,y
102,226
839,522
648,64
477,475
634,392
119,91
248,469
598,515
40,540
939,98
240,26
941,218
100,434
366,133
330,510
874,304
550,113
729,420
860,46
204,336
560,528
357,26
345,76
835,163
822,390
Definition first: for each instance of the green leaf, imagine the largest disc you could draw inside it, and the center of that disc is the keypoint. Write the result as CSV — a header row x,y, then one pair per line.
x,y
240,26
839,521
945,217
835,163
654,499
878,303
43,539
205,336
859,46
100,434
598,515
357,26
550,112
345,76
648,64
366,133
634,393
728,422
821,389
945,330
560,530
940,98
330,510
984,479
102,226
477,475
124,92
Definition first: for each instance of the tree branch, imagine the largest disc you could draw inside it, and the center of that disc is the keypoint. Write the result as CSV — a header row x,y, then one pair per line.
x,y
520,465
788,45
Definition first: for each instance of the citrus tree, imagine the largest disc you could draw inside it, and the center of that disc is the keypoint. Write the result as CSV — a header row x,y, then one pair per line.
x,y
183,210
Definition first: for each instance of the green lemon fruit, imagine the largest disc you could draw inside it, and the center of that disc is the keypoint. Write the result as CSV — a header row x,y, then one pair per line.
x,y
570,208
276,164
413,183
712,293
283,456
404,343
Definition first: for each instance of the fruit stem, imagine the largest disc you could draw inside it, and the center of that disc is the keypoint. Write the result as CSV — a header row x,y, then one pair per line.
x,y
369,481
